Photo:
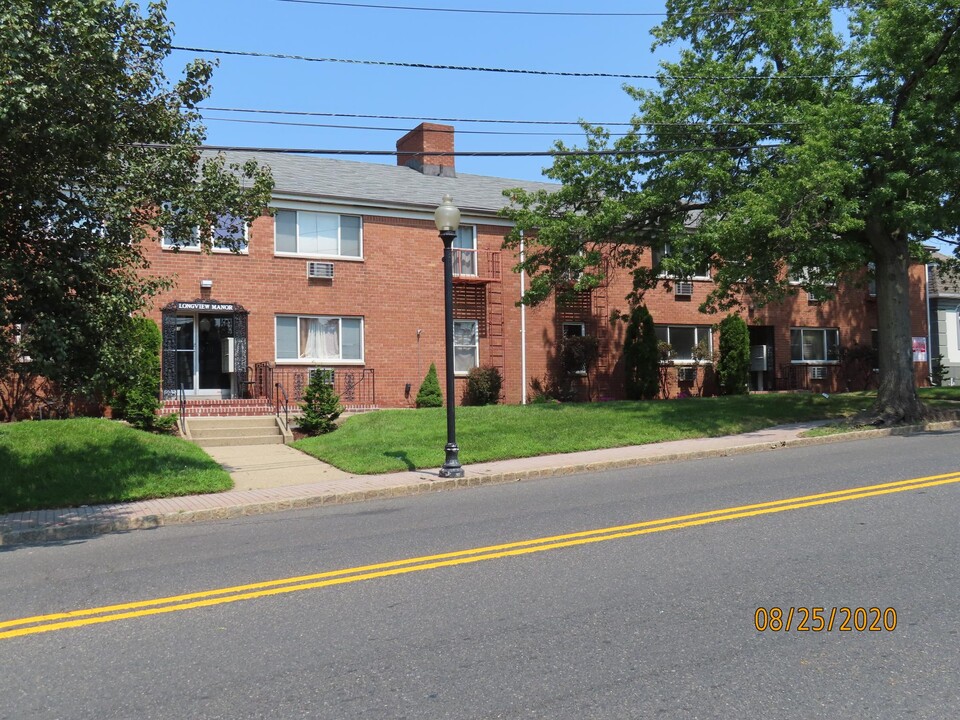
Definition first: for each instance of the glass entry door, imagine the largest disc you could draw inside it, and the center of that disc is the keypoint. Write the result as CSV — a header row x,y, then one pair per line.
x,y
202,341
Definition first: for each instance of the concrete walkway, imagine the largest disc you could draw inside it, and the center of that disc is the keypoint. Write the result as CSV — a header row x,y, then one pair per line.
x,y
270,478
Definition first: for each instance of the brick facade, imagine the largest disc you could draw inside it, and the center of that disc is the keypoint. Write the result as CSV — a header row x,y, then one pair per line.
x,y
397,290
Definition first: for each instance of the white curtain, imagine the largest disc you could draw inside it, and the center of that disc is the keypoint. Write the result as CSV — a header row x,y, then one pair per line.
x,y
320,338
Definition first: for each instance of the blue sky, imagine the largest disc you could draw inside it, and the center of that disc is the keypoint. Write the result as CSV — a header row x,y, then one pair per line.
x,y
567,44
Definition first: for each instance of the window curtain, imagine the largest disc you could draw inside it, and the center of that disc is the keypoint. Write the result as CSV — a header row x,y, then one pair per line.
x,y
319,339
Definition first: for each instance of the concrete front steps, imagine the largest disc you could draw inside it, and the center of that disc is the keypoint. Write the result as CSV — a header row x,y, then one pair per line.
x,y
228,431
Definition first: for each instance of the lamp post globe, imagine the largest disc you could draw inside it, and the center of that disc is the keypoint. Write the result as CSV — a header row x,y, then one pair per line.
x,y
447,219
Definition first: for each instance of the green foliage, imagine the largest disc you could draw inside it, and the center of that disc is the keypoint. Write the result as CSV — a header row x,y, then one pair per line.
x,y
138,392
483,386
578,353
940,371
321,405
824,147
641,356
733,367
429,395
83,89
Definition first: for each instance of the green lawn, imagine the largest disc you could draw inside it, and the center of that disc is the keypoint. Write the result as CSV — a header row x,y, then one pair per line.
x,y
65,463
391,440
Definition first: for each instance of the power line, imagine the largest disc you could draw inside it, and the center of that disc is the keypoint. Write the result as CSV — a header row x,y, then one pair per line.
x,y
515,71
512,12
421,118
467,153
335,126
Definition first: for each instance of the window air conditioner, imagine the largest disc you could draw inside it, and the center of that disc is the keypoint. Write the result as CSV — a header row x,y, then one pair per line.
x,y
683,289
686,374
818,372
319,269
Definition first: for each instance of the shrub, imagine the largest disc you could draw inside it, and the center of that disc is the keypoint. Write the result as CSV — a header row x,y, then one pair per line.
x,y
641,356
733,367
138,395
483,386
429,394
578,353
321,405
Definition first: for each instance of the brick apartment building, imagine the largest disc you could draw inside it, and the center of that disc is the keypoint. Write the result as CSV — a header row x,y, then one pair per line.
x,y
347,275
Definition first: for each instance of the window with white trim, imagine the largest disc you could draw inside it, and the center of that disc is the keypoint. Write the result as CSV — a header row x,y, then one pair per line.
x,y
228,232
814,345
701,270
576,329
320,339
466,346
684,339
299,232
465,251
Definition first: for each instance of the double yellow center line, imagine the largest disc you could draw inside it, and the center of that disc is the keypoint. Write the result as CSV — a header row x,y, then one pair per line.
x,y
208,598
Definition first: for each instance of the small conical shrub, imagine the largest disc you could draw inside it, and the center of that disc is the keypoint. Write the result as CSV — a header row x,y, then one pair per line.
x,y
321,405
430,395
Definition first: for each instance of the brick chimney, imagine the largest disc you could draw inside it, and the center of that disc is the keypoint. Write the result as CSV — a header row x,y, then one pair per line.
x,y
426,138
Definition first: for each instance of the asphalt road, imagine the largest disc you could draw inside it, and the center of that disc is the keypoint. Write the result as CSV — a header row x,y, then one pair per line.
x,y
644,621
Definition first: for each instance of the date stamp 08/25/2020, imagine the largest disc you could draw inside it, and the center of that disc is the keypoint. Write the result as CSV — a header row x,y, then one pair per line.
x,y
825,619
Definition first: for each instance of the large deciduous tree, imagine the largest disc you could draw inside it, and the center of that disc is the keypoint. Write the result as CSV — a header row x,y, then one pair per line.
x,y
98,151
815,135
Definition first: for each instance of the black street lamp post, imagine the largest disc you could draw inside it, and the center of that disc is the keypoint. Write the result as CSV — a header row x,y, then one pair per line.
x,y
447,218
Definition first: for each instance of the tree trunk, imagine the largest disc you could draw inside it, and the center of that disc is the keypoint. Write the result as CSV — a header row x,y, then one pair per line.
x,y
897,399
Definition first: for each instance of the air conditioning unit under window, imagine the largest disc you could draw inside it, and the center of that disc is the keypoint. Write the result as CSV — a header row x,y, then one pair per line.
x,y
818,372
683,289
320,269
328,374
686,374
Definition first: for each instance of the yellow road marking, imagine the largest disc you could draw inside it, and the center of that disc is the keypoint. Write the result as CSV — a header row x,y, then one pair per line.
x,y
176,603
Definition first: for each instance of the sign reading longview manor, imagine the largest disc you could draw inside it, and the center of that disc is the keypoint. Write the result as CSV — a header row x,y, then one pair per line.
x,y
206,306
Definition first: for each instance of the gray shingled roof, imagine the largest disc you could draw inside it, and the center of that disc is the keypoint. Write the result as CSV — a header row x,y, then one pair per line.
x,y
382,184
942,283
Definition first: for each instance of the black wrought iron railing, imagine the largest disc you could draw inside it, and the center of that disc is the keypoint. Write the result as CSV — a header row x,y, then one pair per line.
x,y
182,397
282,402
357,387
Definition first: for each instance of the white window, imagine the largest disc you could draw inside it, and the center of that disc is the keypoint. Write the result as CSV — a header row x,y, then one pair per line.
x,y
814,345
465,251
298,232
701,271
311,338
684,339
466,346
228,232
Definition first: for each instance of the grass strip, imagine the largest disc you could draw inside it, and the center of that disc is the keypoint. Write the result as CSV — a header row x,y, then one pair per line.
x,y
86,461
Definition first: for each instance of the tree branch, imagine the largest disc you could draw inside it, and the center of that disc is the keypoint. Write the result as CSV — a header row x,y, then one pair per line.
x,y
932,58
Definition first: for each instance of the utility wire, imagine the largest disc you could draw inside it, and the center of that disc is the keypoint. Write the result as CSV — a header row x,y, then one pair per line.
x,y
399,129
514,12
467,153
306,113
516,71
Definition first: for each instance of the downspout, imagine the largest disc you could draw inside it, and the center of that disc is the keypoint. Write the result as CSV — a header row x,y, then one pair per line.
x,y
523,329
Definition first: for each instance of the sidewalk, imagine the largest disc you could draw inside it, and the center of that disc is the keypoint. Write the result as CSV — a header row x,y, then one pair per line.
x,y
273,478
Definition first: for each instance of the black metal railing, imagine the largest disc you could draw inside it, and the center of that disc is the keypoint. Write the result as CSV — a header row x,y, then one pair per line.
x,y
357,387
182,397
285,405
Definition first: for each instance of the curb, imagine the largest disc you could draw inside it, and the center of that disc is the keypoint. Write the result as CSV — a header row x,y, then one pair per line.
x,y
85,528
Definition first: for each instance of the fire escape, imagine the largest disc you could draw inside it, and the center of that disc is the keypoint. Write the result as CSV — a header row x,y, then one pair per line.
x,y
478,295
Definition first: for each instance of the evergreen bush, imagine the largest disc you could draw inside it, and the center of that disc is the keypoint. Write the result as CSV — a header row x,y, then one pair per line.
x,y
641,356
321,405
733,367
137,398
429,394
483,386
